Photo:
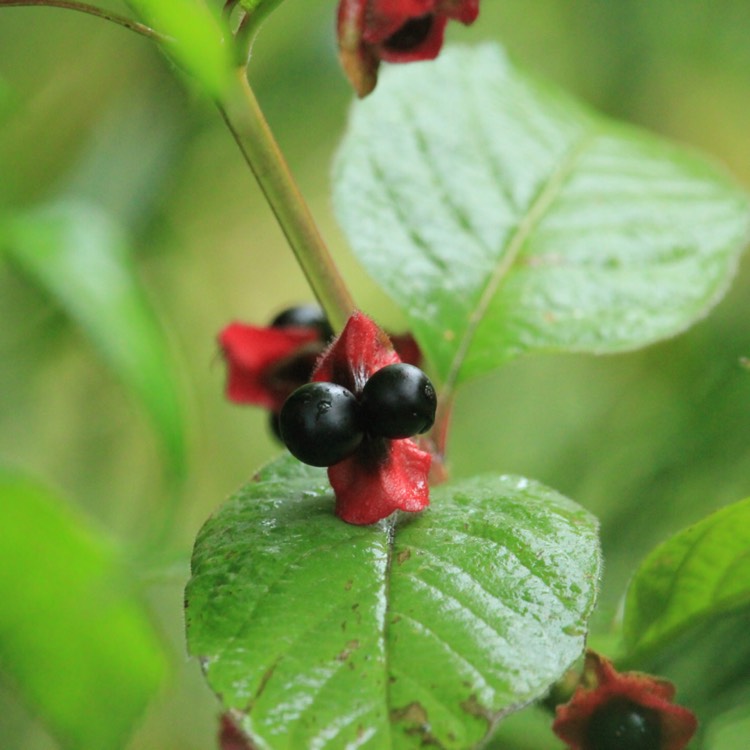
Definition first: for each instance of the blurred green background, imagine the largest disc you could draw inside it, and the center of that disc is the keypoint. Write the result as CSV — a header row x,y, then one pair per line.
x,y
649,441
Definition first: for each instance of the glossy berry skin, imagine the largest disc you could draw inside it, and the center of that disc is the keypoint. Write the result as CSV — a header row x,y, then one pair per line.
x,y
320,424
623,725
304,316
398,401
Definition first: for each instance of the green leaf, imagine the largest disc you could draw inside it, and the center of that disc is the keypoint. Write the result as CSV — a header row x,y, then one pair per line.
x,y
75,253
196,39
505,218
73,637
424,630
686,613
7,100
701,573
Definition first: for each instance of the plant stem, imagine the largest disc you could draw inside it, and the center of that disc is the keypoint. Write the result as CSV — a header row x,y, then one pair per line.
x,y
249,27
441,427
244,118
92,10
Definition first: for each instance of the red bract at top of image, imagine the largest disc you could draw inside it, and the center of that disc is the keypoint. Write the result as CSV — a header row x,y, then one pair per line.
x,y
396,31
622,711
383,475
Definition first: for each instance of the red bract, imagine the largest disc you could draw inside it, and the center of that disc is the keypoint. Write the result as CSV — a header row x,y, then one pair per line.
x,y
230,736
382,476
266,364
602,686
393,30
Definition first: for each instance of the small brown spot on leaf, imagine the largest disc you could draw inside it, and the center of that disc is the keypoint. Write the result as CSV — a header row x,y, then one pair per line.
x,y
348,649
348,585
413,713
403,556
473,707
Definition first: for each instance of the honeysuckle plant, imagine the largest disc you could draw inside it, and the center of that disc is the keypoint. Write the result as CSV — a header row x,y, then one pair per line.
x,y
360,591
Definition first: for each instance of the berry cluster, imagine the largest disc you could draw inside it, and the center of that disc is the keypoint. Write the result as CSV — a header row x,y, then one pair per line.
x,y
324,423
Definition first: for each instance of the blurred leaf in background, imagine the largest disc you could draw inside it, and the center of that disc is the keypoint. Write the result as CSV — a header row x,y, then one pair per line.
x,y
74,638
76,254
687,611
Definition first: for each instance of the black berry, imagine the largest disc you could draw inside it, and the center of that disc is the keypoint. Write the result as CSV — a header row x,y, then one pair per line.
x,y
398,401
413,33
621,724
320,424
304,316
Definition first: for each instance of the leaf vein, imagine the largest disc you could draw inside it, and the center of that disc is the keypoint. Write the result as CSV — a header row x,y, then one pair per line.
x,y
421,627
517,554
544,198
403,219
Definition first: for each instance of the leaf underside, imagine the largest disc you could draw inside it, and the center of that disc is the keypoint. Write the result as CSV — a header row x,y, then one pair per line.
x,y
421,629
504,218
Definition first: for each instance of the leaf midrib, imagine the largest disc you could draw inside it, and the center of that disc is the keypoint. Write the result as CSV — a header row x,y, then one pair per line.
x,y
390,539
545,197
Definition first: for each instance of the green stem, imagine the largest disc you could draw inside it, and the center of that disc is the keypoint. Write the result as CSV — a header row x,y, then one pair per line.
x,y
92,10
441,428
244,118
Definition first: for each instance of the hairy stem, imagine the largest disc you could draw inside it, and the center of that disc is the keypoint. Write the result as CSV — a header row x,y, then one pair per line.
x,y
244,118
92,10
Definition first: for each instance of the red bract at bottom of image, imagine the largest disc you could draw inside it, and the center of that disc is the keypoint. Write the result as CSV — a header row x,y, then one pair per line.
x,y
613,710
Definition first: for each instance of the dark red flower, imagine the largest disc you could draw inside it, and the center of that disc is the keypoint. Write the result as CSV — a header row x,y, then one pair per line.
x,y
266,364
383,475
395,31
622,705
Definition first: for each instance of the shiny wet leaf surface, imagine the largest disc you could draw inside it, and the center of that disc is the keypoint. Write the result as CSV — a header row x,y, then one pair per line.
x,y
422,629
